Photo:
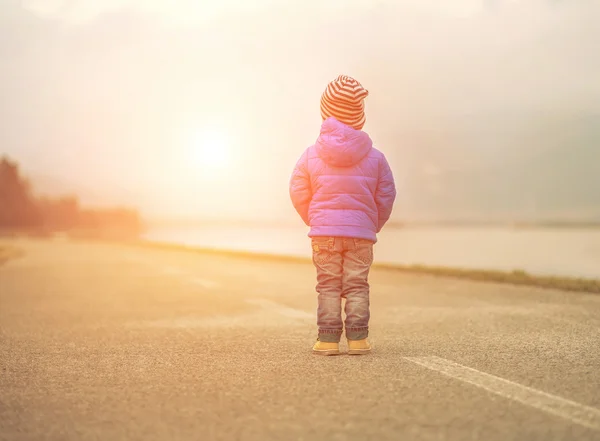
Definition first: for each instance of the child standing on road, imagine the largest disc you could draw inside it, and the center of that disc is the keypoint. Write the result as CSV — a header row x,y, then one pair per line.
x,y
343,188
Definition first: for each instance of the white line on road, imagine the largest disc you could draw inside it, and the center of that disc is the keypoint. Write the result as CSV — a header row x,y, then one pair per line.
x,y
176,271
575,412
204,282
173,271
280,309
136,259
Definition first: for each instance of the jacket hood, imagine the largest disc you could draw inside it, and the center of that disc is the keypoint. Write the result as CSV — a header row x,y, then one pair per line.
x,y
340,145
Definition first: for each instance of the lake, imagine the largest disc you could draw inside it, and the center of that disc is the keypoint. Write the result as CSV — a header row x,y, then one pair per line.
x,y
542,251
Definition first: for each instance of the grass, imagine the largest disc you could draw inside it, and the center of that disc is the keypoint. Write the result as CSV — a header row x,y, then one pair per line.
x,y
516,277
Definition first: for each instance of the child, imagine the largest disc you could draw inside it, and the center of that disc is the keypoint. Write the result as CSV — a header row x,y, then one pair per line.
x,y
344,190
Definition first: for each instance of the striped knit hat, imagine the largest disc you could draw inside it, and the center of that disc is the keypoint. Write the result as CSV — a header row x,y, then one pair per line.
x,y
344,100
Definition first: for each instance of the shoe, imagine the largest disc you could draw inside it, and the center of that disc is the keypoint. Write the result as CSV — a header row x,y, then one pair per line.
x,y
326,348
358,347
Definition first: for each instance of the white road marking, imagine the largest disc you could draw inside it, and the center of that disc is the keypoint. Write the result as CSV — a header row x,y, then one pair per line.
x,y
137,259
172,271
570,410
176,271
280,309
204,283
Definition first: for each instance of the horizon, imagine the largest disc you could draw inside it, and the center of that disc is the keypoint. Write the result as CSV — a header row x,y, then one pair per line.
x,y
153,106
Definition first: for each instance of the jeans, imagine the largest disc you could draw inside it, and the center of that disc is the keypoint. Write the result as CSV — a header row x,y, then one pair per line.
x,y
343,266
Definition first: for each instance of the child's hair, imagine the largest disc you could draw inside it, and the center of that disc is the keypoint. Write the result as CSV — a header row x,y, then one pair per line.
x,y
344,99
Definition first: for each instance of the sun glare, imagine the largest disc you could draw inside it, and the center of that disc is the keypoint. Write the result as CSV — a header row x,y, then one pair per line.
x,y
210,150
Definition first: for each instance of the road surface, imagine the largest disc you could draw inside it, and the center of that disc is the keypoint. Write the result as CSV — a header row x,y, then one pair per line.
x,y
110,342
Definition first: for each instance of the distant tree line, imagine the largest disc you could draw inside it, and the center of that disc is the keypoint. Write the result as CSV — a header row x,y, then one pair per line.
x,y
22,211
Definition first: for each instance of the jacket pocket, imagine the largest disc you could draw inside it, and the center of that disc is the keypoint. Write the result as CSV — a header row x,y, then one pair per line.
x,y
363,250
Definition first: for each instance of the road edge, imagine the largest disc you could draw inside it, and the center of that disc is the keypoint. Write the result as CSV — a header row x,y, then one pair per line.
x,y
8,253
516,277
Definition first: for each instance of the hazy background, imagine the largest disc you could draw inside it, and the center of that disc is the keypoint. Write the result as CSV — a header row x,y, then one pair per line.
x,y
485,109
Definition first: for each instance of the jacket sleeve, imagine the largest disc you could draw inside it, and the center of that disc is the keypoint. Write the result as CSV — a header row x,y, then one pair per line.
x,y
385,195
300,189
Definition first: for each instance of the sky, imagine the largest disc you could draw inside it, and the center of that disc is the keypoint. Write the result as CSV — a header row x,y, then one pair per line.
x,y
201,109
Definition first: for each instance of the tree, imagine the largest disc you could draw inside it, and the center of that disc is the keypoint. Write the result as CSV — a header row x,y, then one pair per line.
x,y
60,214
17,206
21,210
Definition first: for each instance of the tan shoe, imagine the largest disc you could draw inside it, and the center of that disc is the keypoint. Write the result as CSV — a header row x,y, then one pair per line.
x,y
326,348
358,347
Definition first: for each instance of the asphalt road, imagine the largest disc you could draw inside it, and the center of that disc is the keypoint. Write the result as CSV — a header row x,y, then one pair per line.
x,y
108,342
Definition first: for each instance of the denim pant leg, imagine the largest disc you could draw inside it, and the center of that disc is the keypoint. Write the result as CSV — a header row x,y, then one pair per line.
x,y
328,262
357,263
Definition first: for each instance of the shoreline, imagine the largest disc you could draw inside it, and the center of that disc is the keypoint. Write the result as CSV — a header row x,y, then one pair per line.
x,y
516,277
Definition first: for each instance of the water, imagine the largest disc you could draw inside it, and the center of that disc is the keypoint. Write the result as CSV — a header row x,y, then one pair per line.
x,y
542,251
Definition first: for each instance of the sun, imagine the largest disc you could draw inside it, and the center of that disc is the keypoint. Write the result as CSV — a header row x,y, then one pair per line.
x,y
210,150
